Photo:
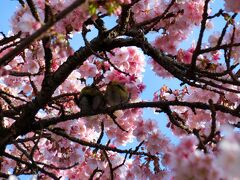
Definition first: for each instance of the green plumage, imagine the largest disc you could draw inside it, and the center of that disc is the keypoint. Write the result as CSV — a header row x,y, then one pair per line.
x,y
116,94
91,99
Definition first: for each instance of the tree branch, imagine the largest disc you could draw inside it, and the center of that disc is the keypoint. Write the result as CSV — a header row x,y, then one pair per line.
x,y
29,40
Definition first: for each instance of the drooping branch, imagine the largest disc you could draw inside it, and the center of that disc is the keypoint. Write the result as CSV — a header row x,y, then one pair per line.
x,y
109,164
180,70
200,37
47,42
29,40
149,24
30,165
213,125
33,9
100,146
7,40
161,104
95,171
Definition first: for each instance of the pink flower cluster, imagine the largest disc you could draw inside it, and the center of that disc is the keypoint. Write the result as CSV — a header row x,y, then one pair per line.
x,y
88,70
155,141
235,50
131,61
127,120
24,22
228,157
232,5
186,162
176,29
23,77
202,119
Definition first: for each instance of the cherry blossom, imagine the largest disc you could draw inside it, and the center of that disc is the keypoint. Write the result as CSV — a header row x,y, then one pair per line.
x,y
45,133
233,6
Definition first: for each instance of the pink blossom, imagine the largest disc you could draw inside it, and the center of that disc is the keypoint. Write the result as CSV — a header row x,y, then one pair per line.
x,y
186,156
33,67
156,142
160,71
25,22
229,156
213,39
232,5
88,70
184,56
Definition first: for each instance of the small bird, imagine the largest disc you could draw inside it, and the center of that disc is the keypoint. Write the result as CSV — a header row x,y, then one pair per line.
x,y
116,93
90,99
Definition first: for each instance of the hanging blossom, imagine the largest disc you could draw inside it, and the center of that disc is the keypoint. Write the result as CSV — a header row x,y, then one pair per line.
x,y
235,50
228,157
232,6
131,61
24,22
177,29
155,141
202,119
186,162
88,70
